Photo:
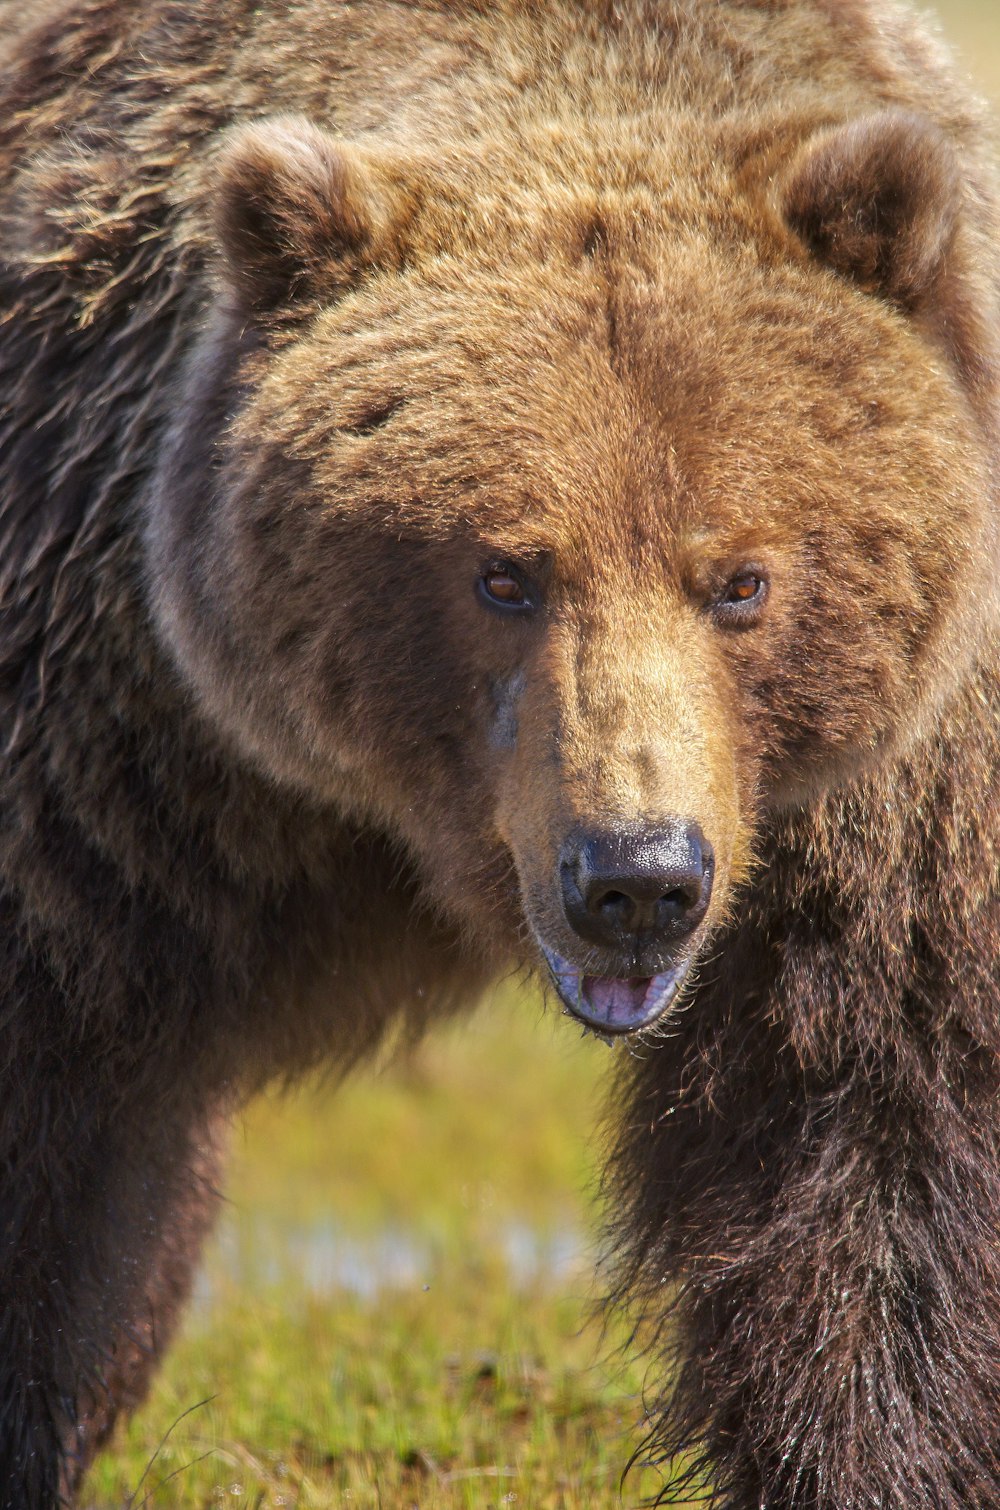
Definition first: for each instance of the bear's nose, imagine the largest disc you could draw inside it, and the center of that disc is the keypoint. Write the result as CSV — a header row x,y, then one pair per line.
x,y
649,887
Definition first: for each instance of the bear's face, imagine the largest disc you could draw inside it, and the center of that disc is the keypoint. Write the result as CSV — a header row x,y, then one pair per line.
x,y
567,559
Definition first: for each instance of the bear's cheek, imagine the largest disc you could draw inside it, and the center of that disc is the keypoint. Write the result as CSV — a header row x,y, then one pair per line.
x,y
843,672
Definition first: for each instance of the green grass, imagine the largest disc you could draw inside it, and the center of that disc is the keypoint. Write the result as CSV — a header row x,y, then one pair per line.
x,y
398,1308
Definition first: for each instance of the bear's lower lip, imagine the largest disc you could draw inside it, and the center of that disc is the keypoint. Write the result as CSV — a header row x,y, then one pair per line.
x,y
610,1005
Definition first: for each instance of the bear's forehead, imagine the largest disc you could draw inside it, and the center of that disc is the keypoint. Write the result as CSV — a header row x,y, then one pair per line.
x,y
557,402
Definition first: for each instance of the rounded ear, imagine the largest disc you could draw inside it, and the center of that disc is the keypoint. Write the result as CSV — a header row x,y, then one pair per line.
x,y
878,201
298,213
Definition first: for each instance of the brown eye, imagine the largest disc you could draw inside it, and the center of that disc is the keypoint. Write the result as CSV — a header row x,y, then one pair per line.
x,y
741,599
744,588
502,588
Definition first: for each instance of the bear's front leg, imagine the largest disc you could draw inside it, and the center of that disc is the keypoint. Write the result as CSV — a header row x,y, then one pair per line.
x,y
835,1260
101,1221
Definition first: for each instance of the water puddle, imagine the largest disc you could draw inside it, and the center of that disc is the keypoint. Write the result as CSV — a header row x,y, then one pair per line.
x,y
318,1259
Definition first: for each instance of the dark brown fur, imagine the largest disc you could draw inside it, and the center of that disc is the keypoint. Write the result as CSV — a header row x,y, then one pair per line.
x,y
310,312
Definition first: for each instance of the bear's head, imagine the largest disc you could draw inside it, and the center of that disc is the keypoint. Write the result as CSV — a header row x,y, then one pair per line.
x,y
567,508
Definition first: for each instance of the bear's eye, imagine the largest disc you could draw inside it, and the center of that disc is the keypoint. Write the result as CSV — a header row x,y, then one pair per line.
x,y
740,602
501,587
741,589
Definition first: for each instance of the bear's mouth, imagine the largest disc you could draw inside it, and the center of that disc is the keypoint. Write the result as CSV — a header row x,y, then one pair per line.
x,y
615,1006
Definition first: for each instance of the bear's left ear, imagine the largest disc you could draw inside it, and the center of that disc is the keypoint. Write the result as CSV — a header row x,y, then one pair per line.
x,y
878,201
300,214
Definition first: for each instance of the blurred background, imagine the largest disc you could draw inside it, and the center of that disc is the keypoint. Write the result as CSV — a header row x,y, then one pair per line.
x,y
974,28
397,1309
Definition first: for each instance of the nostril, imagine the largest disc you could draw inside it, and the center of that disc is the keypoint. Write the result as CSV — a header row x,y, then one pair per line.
x,y
612,901
681,897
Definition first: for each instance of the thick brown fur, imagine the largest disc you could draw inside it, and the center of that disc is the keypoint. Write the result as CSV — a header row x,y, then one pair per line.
x,y
310,313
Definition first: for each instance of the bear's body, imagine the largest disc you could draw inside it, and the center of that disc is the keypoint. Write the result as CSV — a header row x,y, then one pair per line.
x,y
511,483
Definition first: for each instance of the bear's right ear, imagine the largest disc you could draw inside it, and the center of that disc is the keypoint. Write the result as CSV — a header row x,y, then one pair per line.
x,y
878,200
299,214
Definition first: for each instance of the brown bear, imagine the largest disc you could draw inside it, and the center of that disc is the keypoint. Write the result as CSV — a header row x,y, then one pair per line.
x,y
512,481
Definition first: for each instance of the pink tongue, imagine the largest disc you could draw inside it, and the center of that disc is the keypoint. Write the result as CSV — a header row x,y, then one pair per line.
x,y
615,1001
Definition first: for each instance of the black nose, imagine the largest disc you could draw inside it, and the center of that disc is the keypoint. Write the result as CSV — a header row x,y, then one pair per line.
x,y
647,887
